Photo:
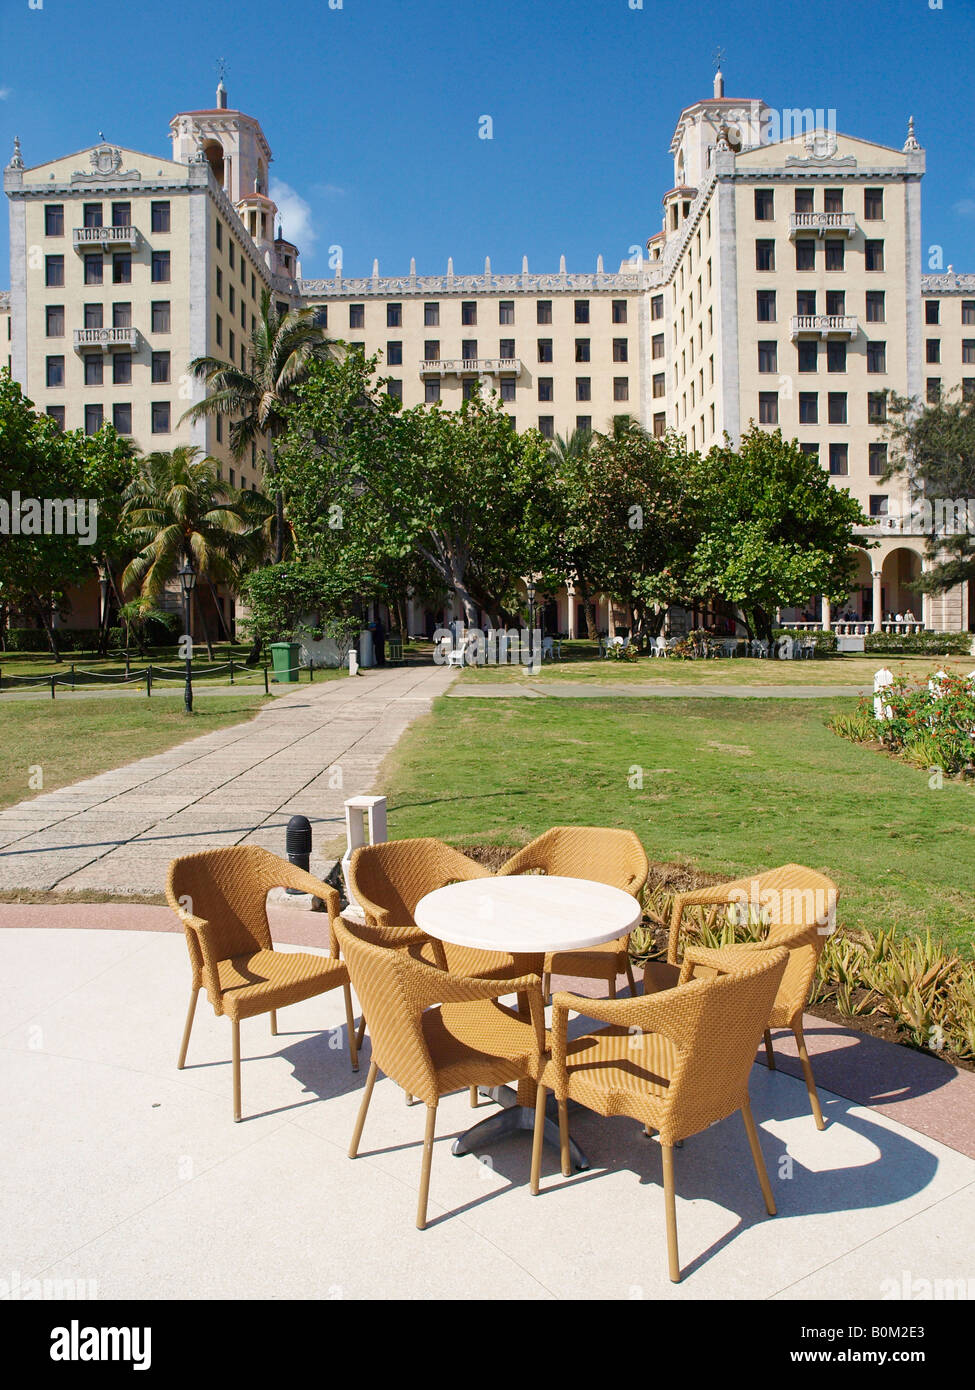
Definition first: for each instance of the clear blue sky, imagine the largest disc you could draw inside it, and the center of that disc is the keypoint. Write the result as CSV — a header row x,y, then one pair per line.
x,y
372,109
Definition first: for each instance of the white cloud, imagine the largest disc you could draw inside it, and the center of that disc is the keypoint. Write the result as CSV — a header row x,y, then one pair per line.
x,y
329,190
4,93
965,207
294,215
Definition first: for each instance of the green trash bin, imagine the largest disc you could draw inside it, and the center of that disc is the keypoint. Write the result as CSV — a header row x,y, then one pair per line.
x,y
284,660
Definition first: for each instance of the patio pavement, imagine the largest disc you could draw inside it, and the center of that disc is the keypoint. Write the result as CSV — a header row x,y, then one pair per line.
x,y
119,1169
117,832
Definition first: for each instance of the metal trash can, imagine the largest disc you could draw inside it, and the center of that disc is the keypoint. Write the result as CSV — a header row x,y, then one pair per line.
x,y
284,660
394,648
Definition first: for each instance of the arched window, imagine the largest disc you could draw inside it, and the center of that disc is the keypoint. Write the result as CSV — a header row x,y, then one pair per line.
x,y
214,153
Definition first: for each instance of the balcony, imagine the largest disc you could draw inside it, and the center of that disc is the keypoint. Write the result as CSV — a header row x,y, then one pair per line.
x,y
821,222
826,325
101,238
471,366
104,339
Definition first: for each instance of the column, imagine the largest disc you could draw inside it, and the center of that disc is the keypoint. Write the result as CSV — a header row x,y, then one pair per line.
x,y
877,577
570,599
827,615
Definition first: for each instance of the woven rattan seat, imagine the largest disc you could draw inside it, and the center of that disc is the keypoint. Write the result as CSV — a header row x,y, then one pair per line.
x,y
220,896
602,855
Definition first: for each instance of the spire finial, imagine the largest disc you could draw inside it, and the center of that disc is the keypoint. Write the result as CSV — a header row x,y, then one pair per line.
x,y
221,85
911,143
16,159
718,74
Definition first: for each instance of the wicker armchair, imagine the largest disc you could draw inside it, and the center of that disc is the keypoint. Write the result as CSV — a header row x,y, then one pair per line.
x,y
220,896
470,1040
678,1060
799,906
615,857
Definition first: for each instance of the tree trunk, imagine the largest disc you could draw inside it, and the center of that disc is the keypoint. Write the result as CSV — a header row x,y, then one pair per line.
x,y
206,628
278,503
44,613
588,610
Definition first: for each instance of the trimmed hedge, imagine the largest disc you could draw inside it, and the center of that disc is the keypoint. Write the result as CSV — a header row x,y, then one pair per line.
x,y
825,641
924,643
34,639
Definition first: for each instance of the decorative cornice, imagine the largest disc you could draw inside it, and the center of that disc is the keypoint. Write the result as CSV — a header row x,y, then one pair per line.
x,y
382,286
950,282
5,299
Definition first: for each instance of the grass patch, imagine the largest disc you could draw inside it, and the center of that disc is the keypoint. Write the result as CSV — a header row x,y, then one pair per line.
x,y
728,786
19,669
70,740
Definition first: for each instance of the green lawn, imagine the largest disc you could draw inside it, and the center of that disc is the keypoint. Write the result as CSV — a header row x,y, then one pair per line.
x,y
730,786
69,739
19,670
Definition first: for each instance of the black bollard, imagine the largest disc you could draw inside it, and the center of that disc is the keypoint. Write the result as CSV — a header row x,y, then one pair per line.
x,y
297,844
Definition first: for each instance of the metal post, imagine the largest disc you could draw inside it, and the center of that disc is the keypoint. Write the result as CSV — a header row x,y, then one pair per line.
x,y
265,679
188,688
53,679
127,671
311,672
72,675
149,679
231,670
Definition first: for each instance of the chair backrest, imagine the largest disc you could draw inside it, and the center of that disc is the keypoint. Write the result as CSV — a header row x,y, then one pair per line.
x,y
603,855
388,880
228,889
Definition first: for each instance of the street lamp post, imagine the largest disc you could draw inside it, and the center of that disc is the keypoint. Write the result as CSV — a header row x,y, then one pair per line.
x,y
531,622
103,610
187,580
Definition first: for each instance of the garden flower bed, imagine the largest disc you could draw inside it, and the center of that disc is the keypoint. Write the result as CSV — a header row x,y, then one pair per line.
x,y
931,724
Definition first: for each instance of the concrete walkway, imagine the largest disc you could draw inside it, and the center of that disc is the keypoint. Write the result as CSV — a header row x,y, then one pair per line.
x,y
302,755
591,690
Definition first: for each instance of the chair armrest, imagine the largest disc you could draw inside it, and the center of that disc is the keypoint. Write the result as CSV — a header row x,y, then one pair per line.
x,y
290,876
718,960
210,960
440,987
646,1014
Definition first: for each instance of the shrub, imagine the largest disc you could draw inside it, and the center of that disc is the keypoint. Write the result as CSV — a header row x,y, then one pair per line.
x,y
26,639
825,641
930,725
922,643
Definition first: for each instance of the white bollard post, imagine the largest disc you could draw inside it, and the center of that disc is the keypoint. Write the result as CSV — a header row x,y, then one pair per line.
x,y
365,824
883,679
353,662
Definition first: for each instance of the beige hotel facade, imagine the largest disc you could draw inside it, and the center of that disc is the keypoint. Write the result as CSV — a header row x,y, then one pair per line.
x,y
786,286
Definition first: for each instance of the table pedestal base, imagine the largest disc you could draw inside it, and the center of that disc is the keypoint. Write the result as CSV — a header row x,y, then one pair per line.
x,y
513,1118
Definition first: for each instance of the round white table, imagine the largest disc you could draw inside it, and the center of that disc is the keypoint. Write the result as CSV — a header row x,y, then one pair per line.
x,y
525,914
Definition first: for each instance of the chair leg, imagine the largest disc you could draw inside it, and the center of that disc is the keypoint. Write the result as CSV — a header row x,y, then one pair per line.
x,y
409,1098
629,976
612,988
274,1023
538,1139
361,1033
350,1025
566,1157
474,1100
769,1054
235,1035
756,1148
670,1211
807,1072
188,1028
546,987
421,1206
361,1117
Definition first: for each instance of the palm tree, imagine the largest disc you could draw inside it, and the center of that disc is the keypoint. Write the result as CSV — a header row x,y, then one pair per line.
x,y
570,457
283,347
177,509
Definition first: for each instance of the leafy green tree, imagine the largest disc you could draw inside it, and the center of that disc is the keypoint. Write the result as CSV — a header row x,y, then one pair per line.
x,y
300,598
282,350
775,530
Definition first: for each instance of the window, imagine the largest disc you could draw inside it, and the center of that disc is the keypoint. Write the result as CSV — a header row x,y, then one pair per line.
x,y
546,391
873,204
159,217
121,214
121,368
968,351
932,311
583,388
56,413
543,311
219,284
94,418
470,389
835,253
873,255
232,253
468,313
431,392
837,408
764,255
219,330
54,270
395,389
93,316
54,320
805,253
932,350
160,316
659,425
805,301
54,221
93,270
357,316
804,200
545,349
582,349
878,504
122,268
968,388
809,449
582,310
619,311
122,314
765,306
584,423
219,424
768,407
657,345
809,407
431,350
833,200
506,311
546,426
55,371
508,388
621,388
394,354
839,459
877,465
160,266
876,407
431,317
219,234
808,356
657,306
621,350
122,417
321,316
933,390
506,348
659,384
91,215
876,357
968,311
768,356
233,345
160,417
468,349
764,204
836,356
876,306
160,366
835,302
